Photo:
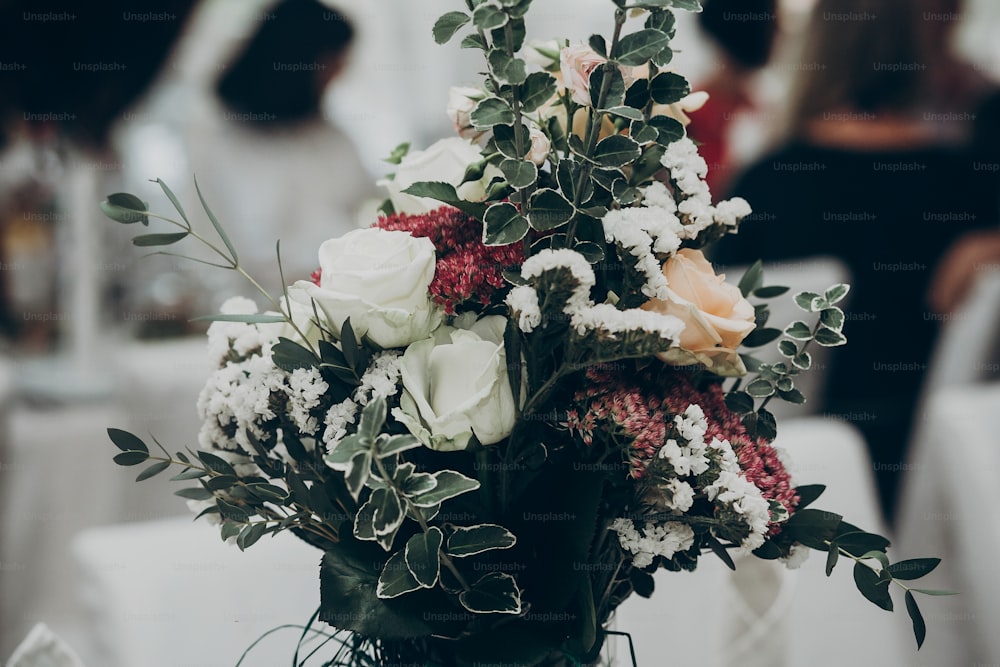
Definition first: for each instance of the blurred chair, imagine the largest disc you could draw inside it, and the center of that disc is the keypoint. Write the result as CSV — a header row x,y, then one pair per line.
x,y
814,274
950,481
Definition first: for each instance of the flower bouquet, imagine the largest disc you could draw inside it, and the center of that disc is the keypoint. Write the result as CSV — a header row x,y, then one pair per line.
x,y
523,390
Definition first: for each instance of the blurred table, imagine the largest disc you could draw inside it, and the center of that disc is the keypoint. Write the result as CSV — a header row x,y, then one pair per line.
x,y
947,510
58,478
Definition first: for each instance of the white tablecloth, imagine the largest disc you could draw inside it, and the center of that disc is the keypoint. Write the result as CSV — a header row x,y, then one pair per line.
x,y
948,511
57,478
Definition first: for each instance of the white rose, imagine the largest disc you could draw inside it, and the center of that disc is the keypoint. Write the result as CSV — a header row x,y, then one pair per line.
x,y
540,146
455,385
446,161
461,102
379,279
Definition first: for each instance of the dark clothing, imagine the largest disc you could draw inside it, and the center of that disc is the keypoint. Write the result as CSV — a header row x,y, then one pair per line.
x,y
889,216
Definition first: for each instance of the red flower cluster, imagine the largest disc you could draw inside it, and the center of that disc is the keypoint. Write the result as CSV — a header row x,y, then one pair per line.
x,y
468,273
642,407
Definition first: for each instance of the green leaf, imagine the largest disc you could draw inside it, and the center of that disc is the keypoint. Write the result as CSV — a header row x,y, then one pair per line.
x,y
832,318
388,511
829,338
753,279
616,151
149,240
449,485
858,542
396,578
770,291
667,88
759,337
194,493
837,293
805,300
792,396
445,192
813,527
506,68
919,627
494,593
506,140
386,445
491,111
125,208
173,200
231,511
637,48
246,319
153,470
537,90
831,558
913,568
190,473
928,591
474,41
423,556
592,252
215,223
504,225
130,458
637,97
364,522
802,361
358,472
222,482
472,540
398,153
662,20
348,598
760,388
488,16
799,330
519,173
289,356
598,44
447,25
788,348
268,492
626,112
872,586
249,535
615,93
739,402
808,493
126,442
548,209
670,129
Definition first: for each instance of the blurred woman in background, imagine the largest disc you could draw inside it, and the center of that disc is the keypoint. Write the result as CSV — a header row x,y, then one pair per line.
x,y
874,175
268,162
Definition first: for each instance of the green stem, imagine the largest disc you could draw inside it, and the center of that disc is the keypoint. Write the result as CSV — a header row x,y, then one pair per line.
x,y
594,122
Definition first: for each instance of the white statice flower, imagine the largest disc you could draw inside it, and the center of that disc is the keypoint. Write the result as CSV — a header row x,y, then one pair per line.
x,y
654,540
523,302
736,492
579,268
608,319
336,421
693,199
305,390
644,233
656,195
796,557
381,379
240,337
682,495
692,425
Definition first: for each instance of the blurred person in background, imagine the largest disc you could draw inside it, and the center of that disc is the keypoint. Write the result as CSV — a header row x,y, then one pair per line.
x,y
743,33
868,175
268,162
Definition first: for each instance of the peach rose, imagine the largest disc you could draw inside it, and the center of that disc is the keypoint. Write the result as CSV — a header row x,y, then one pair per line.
x,y
716,316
